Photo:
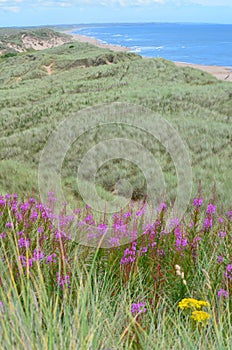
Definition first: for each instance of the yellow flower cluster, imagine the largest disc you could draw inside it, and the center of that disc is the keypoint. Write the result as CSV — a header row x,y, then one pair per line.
x,y
200,316
191,303
196,308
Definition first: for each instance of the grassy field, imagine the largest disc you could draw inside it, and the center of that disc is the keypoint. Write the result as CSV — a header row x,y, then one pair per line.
x,y
40,89
59,294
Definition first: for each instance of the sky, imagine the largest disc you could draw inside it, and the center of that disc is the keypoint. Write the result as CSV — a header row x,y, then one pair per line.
x,y
53,12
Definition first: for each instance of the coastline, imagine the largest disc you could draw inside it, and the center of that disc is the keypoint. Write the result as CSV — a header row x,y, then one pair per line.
x,y
220,72
87,39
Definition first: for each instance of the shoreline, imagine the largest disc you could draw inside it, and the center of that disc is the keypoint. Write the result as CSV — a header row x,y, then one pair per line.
x,y
220,72
88,39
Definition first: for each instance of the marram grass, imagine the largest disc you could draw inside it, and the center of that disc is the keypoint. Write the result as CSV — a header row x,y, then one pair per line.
x,y
57,294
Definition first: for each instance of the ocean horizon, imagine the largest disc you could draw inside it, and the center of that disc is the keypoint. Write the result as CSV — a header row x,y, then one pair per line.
x,y
206,44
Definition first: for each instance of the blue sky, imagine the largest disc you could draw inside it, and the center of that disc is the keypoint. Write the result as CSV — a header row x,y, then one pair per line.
x,y
43,12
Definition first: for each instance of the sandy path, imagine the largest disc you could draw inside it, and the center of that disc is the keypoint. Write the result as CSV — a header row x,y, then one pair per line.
x,y
49,69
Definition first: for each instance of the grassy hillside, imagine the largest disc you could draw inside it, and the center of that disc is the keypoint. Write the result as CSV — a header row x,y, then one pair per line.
x,y
40,89
169,287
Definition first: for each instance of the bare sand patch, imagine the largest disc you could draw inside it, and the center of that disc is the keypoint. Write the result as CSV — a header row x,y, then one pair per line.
x,y
49,69
30,42
221,73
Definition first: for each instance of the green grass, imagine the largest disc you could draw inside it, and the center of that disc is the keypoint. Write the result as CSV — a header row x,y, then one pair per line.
x,y
93,311
32,103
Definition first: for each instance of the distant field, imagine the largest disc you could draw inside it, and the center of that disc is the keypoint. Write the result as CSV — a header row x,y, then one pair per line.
x,y
39,89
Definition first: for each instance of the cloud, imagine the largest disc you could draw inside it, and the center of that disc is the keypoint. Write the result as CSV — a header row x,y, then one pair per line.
x,y
16,5
13,9
213,2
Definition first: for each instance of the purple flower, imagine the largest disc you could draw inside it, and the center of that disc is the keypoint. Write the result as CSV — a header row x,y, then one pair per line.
x,y
2,307
63,280
181,242
38,255
228,272
23,242
143,250
20,233
160,252
60,234
2,202
197,202
163,206
208,223
222,234
127,215
3,235
222,293
9,225
140,212
220,220
211,209
31,200
114,242
129,255
102,228
138,308
24,207
220,259
25,261
174,222
89,220
34,216
51,259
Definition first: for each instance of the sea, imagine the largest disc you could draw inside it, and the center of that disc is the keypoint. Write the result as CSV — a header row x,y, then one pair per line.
x,y
207,44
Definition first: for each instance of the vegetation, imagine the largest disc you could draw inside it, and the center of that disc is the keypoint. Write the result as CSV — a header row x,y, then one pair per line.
x,y
153,286
38,90
167,289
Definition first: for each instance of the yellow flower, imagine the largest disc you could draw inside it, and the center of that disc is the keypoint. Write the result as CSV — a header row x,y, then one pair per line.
x,y
200,316
191,303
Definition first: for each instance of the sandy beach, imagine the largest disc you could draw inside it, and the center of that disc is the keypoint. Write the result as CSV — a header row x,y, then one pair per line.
x,y
221,73
96,42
